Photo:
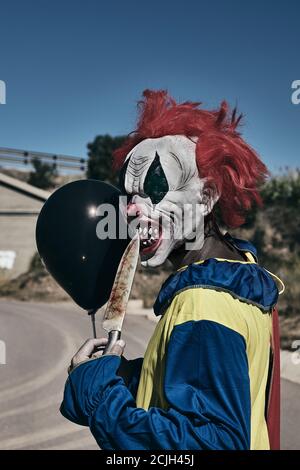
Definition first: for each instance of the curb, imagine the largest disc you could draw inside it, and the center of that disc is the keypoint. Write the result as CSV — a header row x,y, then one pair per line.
x,y
290,366
142,312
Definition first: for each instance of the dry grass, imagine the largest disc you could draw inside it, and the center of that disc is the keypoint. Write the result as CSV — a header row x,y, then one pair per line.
x,y
38,285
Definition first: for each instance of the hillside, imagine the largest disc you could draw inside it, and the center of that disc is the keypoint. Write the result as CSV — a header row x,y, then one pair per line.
x,y
274,230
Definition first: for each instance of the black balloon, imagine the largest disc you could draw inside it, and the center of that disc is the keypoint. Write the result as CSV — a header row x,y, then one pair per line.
x,y
82,264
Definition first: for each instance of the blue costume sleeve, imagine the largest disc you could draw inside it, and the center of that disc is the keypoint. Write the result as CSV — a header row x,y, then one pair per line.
x,y
129,370
206,386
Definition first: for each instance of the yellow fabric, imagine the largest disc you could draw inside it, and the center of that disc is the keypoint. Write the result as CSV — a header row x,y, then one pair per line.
x,y
207,304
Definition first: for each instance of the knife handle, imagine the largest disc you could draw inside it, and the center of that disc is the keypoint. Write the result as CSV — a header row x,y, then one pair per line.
x,y
113,337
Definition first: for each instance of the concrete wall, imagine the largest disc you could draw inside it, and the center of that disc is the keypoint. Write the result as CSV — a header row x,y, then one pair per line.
x,y
11,199
18,215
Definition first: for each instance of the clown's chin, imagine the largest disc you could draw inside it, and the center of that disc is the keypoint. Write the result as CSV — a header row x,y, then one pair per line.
x,y
158,254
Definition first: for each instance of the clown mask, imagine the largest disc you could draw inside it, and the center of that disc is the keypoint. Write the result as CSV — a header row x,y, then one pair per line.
x,y
167,199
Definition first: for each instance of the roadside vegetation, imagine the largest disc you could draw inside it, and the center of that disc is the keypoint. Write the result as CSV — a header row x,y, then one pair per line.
x,y
274,230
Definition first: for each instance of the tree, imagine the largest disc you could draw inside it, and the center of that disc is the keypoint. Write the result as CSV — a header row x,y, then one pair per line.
x,y
100,157
43,175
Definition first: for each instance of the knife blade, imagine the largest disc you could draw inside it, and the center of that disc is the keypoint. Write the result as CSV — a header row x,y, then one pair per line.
x,y
117,303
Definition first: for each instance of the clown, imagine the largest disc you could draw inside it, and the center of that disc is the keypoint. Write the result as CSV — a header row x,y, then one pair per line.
x,y
209,378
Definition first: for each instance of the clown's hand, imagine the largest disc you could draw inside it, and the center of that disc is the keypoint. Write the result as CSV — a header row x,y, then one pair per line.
x,y
93,348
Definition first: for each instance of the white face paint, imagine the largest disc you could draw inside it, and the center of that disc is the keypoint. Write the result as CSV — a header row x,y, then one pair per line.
x,y
167,204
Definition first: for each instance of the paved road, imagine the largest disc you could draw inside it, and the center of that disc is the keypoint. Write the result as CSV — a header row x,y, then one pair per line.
x,y
40,340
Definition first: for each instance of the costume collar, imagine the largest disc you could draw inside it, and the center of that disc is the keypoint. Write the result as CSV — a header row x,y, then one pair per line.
x,y
242,245
244,280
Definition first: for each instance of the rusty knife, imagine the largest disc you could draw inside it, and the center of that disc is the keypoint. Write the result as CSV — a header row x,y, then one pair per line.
x,y
116,306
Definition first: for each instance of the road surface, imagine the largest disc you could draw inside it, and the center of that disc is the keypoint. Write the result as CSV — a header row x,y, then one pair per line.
x,y
40,341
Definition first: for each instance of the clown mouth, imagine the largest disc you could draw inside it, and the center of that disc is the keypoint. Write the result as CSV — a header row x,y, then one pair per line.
x,y
150,237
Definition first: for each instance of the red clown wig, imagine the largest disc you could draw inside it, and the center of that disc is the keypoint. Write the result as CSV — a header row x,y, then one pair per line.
x,y
222,156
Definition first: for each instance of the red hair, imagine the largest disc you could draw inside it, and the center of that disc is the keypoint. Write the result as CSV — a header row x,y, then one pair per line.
x,y
222,156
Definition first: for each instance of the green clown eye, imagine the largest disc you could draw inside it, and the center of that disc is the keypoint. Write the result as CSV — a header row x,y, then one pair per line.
x,y
156,184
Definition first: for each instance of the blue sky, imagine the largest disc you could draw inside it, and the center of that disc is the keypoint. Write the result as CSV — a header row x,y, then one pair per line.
x,y
74,69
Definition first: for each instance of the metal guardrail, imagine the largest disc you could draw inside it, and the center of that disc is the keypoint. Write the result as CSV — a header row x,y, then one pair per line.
x,y
14,157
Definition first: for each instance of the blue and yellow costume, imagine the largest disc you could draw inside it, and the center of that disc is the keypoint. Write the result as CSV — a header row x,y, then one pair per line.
x,y
203,382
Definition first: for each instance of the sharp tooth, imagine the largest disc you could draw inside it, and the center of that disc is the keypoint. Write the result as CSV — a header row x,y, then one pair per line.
x,y
150,230
144,243
145,231
156,231
140,230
